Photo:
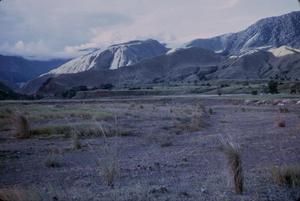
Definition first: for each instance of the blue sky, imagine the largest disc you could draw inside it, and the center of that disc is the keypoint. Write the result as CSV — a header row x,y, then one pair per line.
x,y
48,29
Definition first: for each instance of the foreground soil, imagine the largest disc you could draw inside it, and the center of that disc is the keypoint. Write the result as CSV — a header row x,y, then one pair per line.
x,y
164,148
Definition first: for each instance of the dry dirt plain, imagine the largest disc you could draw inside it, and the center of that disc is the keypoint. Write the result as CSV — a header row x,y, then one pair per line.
x,y
147,149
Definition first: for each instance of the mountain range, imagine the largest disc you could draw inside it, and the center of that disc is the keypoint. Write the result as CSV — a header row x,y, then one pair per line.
x,y
265,50
114,57
266,33
14,70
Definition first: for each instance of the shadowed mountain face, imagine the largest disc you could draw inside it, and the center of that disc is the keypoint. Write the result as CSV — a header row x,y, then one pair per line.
x,y
268,32
8,94
280,62
16,70
114,57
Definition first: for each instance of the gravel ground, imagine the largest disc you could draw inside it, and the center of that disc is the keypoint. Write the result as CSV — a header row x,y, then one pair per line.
x,y
162,154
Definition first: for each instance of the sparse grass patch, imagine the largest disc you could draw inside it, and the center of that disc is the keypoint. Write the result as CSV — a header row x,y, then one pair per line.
x,y
198,120
82,129
234,161
51,130
17,194
288,175
36,112
138,192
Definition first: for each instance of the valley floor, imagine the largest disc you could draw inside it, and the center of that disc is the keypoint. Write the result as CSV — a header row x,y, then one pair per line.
x,y
152,148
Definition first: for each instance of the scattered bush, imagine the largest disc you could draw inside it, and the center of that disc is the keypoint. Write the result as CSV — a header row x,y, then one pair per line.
x,y
234,161
73,91
273,87
134,88
107,86
283,110
219,92
254,92
289,175
281,123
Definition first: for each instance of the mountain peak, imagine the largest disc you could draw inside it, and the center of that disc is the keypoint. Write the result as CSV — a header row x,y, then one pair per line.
x,y
114,57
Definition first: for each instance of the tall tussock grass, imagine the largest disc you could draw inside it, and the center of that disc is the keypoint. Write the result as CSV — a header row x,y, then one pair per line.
x,y
234,162
22,127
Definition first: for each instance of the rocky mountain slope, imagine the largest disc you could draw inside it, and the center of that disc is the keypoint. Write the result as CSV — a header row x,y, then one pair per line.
x,y
113,57
266,33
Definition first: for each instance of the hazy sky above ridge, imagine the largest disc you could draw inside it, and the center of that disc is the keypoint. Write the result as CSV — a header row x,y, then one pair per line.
x,y
49,28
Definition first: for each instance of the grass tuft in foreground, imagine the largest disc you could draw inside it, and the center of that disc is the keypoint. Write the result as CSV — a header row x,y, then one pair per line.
x,y
234,161
22,128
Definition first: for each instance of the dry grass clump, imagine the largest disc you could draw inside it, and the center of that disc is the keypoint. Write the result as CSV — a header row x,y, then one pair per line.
x,y
198,121
22,128
16,194
108,166
234,161
110,171
281,123
52,160
75,141
288,175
